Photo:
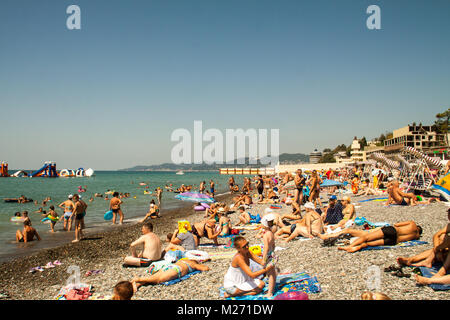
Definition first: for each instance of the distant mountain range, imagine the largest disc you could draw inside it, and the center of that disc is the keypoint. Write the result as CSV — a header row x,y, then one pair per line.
x,y
285,158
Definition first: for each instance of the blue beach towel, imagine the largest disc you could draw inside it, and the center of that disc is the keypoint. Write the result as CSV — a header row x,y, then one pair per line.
x,y
295,282
170,282
429,272
411,243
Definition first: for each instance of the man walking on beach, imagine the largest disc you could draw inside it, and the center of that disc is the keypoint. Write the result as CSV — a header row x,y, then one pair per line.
x,y
211,187
299,181
152,248
114,206
79,211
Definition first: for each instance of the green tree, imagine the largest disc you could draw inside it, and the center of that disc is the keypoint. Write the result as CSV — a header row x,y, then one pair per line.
x,y
327,158
442,123
363,142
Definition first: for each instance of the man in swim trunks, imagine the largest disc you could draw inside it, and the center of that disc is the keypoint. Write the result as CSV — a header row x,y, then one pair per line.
x,y
385,236
68,211
170,272
231,183
79,211
299,181
28,233
152,250
211,188
396,196
114,206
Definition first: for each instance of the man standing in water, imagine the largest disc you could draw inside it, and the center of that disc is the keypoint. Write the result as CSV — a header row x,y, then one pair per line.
x,y
159,196
79,211
114,206
211,188
231,183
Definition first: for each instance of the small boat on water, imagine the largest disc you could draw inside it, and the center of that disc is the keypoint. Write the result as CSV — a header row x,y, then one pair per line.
x,y
180,172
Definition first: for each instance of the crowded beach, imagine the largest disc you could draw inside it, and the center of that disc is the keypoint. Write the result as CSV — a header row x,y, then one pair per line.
x,y
319,234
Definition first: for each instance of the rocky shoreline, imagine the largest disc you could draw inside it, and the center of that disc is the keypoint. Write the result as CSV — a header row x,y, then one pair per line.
x,y
342,275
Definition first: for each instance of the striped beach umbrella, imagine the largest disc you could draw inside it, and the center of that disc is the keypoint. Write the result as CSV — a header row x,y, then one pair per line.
x,y
420,155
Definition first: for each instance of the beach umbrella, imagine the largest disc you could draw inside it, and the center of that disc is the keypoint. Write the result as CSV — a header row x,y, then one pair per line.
x,y
331,183
195,197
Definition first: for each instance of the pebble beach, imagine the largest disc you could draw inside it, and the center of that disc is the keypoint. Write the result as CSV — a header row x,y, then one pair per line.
x,y
342,275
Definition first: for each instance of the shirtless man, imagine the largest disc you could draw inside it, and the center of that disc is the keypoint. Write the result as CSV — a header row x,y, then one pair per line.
x,y
311,225
114,206
212,188
202,187
299,181
152,250
28,233
159,196
387,236
68,213
398,197
79,211
315,187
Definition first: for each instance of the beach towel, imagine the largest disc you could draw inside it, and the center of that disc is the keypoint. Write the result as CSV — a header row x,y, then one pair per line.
x,y
429,272
411,243
210,245
294,282
374,199
170,282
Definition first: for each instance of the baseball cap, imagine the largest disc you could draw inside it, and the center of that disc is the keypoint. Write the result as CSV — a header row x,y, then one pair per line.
x,y
70,196
333,197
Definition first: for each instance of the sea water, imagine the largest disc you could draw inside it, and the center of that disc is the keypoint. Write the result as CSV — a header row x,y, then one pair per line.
x,y
135,207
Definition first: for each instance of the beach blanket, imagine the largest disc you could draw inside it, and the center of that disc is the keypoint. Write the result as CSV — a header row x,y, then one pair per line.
x,y
211,245
429,272
294,282
411,243
374,199
170,282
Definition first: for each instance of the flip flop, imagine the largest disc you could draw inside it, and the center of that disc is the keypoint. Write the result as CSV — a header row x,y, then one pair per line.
x,y
33,270
400,274
49,265
57,263
40,269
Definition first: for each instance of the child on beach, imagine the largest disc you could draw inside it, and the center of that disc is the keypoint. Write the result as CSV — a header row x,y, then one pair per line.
x,y
123,291
53,217
269,256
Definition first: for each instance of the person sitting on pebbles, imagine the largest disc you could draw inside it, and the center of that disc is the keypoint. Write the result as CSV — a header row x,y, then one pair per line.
x,y
240,279
396,196
152,248
310,226
170,272
246,218
123,291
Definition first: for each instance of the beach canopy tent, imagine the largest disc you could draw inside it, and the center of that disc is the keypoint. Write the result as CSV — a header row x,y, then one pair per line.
x,y
195,197
443,186
331,183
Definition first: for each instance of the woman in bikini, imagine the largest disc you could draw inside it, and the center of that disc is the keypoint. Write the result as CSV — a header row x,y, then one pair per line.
x,y
205,228
169,272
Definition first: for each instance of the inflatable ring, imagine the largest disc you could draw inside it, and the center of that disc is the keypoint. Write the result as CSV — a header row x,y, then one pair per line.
x,y
197,255
199,208
205,205
17,219
256,250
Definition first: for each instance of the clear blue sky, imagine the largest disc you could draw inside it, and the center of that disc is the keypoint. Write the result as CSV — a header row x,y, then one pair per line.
x,y
109,95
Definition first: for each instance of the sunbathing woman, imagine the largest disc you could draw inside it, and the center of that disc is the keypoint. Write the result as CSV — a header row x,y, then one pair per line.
x,y
205,228
169,272
348,212
240,280
246,218
224,223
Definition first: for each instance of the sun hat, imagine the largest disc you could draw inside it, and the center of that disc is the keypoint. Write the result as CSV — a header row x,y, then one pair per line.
x,y
310,205
268,217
